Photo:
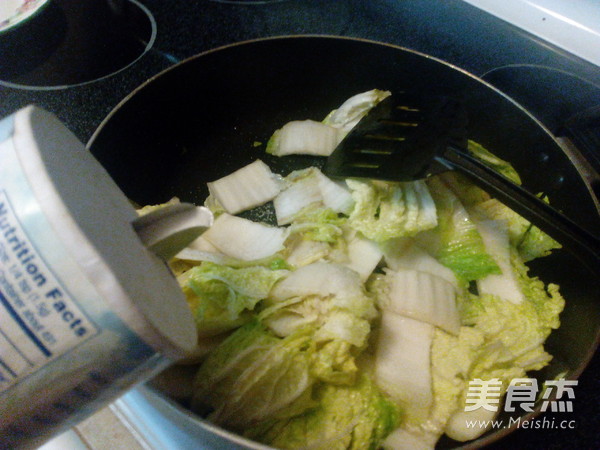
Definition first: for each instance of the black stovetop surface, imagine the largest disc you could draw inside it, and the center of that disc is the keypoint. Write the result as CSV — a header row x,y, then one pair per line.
x,y
554,85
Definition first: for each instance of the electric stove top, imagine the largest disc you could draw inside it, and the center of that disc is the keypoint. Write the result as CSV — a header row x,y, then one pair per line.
x,y
81,67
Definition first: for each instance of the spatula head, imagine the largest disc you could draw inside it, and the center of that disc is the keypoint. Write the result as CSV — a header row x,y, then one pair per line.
x,y
403,138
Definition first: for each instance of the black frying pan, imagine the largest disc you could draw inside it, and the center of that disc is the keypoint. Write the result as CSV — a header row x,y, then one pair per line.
x,y
200,119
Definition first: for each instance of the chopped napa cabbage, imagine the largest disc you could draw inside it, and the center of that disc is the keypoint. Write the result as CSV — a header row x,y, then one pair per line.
x,y
213,204
249,282
293,362
546,299
358,254
355,108
339,336
336,195
340,286
179,267
244,239
403,253
420,296
246,188
517,332
502,340
285,317
203,245
530,241
253,375
309,137
544,302
309,187
460,246
452,358
334,362
450,366
317,233
149,208
467,192
302,252
192,256
221,297
202,250
405,438
331,298
304,137
386,210
328,295
211,317
319,224
363,255
505,285
458,427
402,364
300,193
347,417
499,165
343,326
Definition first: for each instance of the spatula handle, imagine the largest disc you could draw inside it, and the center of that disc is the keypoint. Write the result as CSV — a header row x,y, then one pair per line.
x,y
579,241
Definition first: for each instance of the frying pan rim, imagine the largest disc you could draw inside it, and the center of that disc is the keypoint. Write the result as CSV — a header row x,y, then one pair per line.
x,y
175,66
486,439
573,156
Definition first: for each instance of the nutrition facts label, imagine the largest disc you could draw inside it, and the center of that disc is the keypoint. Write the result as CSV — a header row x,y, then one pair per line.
x,y
39,320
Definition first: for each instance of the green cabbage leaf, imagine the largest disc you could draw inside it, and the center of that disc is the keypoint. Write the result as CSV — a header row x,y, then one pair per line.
x,y
253,375
385,210
222,297
458,245
499,340
347,417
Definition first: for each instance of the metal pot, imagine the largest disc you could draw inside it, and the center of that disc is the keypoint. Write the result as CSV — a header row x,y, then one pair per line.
x,y
199,120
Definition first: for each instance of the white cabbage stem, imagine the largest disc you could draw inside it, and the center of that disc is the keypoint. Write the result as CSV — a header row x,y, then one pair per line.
x,y
244,239
246,188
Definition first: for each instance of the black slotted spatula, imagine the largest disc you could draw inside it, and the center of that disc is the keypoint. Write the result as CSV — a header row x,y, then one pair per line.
x,y
407,138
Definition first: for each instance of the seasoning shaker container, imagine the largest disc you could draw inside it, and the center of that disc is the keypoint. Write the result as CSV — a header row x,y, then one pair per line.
x,y
88,306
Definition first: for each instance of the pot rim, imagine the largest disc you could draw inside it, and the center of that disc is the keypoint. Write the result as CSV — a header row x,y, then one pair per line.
x,y
490,436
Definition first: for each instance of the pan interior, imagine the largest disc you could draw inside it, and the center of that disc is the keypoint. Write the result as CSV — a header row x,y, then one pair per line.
x,y
204,119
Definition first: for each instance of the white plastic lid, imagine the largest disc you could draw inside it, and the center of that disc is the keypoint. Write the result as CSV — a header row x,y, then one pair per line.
x,y
95,222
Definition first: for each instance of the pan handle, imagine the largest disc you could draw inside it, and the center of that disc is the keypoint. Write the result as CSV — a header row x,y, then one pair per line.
x,y
580,242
